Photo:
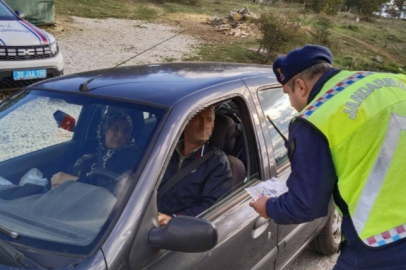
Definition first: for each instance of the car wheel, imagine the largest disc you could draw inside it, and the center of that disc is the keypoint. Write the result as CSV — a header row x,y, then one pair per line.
x,y
329,238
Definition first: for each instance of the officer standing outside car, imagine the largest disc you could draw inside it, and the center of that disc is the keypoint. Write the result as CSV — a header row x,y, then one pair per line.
x,y
348,140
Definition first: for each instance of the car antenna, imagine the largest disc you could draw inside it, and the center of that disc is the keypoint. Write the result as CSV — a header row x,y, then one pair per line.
x,y
83,86
277,129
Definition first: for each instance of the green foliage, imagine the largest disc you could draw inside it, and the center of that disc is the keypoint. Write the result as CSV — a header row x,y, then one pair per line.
x,y
401,5
365,7
325,6
183,2
240,52
353,27
105,9
144,12
322,34
278,32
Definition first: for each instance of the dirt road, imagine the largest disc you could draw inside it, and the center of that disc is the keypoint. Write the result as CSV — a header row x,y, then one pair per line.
x,y
89,44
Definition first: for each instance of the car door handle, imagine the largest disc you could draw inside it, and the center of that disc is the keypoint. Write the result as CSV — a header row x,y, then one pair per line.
x,y
260,226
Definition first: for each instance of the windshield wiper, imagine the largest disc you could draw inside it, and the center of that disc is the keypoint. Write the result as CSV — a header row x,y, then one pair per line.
x,y
9,232
17,257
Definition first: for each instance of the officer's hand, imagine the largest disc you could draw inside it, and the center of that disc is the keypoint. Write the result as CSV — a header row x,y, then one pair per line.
x,y
163,219
260,206
62,177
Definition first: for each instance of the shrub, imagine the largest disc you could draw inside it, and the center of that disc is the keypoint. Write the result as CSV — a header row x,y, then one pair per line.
x,y
277,33
184,2
325,6
352,27
322,34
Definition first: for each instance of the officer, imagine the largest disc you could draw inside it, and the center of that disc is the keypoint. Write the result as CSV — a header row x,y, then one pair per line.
x,y
348,140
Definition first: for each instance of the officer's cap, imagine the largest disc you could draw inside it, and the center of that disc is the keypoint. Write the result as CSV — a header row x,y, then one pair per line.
x,y
287,66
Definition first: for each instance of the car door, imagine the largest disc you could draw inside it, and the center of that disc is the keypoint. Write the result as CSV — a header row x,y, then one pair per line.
x,y
276,105
244,238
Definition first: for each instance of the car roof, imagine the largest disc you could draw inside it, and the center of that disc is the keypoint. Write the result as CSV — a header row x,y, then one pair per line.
x,y
162,84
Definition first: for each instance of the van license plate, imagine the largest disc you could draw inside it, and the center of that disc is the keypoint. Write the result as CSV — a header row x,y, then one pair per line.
x,y
29,74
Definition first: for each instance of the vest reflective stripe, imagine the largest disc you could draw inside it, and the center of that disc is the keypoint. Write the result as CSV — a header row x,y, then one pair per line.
x,y
374,183
333,91
365,126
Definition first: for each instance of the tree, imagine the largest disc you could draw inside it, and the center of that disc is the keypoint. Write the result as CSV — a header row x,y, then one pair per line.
x,y
365,7
324,6
401,6
393,11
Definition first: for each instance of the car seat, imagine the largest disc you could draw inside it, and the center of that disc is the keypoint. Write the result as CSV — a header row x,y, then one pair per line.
x,y
223,137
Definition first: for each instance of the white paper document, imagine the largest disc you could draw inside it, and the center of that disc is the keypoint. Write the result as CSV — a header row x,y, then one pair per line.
x,y
272,188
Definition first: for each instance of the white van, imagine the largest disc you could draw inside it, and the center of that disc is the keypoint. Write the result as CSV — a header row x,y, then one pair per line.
x,y
27,53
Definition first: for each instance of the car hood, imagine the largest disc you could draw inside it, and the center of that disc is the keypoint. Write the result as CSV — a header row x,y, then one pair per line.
x,y
22,33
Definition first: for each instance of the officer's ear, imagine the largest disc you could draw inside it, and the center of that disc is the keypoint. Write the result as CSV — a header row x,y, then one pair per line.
x,y
302,88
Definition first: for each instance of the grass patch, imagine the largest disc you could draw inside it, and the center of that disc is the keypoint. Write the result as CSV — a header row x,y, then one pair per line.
x,y
212,8
102,9
233,52
385,34
145,13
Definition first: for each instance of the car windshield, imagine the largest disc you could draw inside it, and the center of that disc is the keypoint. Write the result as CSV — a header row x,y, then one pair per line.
x,y
5,13
67,163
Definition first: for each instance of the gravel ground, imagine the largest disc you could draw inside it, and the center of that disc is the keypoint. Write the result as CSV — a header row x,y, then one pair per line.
x,y
89,44
310,260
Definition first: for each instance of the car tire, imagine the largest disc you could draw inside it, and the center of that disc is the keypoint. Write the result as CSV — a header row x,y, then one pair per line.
x,y
327,242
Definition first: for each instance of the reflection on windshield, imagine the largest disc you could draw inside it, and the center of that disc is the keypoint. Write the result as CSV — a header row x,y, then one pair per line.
x,y
5,14
65,162
276,104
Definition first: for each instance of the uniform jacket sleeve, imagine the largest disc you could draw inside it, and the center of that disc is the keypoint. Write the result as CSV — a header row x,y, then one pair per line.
x,y
311,181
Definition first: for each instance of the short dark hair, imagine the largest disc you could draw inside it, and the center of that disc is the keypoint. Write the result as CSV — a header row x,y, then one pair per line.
x,y
309,74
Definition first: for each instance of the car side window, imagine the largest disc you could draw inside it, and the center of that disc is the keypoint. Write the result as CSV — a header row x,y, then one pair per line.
x,y
243,158
276,105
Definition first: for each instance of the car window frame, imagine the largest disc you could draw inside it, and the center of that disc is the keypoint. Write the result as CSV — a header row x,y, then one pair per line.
x,y
285,165
238,194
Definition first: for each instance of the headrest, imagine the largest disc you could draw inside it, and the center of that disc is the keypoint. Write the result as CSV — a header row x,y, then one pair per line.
x,y
224,128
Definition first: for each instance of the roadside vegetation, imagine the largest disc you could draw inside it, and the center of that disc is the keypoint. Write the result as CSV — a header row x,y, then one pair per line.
x,y
372,43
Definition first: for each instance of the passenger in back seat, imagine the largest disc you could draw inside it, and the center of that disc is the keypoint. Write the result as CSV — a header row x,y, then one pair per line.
x,y
116,152
201,188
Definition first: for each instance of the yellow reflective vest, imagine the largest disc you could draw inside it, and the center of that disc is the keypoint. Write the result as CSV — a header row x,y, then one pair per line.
x,y
363,117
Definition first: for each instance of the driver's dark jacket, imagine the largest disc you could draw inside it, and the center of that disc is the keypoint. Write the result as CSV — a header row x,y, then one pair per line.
x,y
200,189
311,184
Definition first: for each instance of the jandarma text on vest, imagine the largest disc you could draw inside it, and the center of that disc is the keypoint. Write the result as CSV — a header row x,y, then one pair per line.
x,y
363,92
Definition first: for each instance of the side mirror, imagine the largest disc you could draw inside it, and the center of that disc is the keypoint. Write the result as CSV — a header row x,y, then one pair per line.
x,y
184,234
64,121
20,14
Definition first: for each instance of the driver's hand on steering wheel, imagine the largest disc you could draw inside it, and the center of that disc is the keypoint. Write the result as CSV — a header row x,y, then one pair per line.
x,y
61,177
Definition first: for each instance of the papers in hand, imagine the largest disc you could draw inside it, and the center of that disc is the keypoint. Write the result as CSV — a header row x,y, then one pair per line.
x,y
272,188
